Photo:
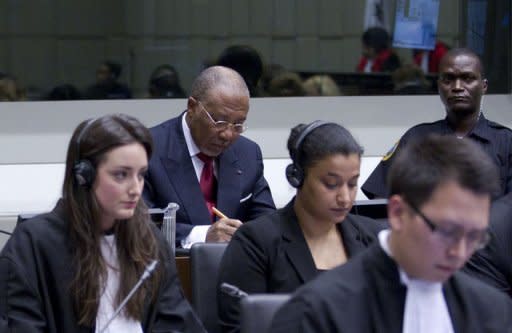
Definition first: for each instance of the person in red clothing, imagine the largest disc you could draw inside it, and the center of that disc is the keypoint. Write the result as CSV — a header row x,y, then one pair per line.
x,y
429,60
377,55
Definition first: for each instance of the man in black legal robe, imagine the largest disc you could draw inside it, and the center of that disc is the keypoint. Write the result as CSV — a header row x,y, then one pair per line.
x,y
408,282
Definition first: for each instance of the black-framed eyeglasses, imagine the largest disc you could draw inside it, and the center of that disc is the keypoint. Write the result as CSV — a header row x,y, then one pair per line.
x,y
222,125
475,239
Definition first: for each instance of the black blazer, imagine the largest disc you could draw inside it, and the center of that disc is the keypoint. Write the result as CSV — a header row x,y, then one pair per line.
x,y
37,267
366,296
270,255
243,192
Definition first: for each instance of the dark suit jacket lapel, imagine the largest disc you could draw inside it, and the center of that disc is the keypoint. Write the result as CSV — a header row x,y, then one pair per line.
x,y
228,182
351,236
182,176
295,246
387,301
455,306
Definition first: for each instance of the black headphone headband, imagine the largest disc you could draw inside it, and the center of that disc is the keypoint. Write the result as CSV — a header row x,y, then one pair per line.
x,y
83,169
303,134
81,135
294,172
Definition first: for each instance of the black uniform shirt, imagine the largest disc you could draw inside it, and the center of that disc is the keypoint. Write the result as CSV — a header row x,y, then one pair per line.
x,y
495,139
493,263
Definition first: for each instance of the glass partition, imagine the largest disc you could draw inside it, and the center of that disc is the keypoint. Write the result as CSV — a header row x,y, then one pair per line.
x,y
56,49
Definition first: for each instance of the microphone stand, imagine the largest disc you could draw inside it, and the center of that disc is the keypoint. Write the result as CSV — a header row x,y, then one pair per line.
x,y
147,272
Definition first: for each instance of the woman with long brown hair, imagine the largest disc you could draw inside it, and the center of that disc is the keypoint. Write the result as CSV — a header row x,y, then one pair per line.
x,y
70,270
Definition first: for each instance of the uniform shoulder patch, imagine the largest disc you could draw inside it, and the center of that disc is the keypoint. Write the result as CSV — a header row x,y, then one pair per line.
x,y
390,152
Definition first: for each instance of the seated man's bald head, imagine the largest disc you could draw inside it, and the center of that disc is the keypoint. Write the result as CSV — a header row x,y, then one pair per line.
x,y
218,78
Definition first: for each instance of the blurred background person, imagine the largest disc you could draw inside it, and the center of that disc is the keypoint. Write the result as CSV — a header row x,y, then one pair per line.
x,y
314,232
247,62
410,80
164,82
377,54
10,89
68,270
428,60
107,84
64,92
286,84
270,71
321,85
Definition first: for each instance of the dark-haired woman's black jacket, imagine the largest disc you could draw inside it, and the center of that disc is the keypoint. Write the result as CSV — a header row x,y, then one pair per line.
x,y
270,255
36,271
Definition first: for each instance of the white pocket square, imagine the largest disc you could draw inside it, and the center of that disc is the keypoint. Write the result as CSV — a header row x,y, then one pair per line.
x,y
246,198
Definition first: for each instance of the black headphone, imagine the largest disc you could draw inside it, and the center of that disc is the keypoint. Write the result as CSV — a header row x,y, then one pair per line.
x,y
83,169
294,173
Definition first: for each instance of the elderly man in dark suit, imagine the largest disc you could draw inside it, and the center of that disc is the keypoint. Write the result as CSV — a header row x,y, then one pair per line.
x,y
201,161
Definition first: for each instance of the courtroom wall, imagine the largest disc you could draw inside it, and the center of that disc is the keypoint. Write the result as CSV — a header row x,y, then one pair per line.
x,y
49,42
37,132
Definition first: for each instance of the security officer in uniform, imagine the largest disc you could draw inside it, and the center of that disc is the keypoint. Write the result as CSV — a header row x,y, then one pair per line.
x,y
461,88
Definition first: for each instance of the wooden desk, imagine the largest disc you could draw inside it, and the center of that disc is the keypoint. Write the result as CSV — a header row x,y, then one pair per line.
x,y
183,267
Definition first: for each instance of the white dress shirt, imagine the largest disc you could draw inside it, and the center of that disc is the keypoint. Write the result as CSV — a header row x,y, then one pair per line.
x,y
198,233
425,307
368,66
424,61
107,300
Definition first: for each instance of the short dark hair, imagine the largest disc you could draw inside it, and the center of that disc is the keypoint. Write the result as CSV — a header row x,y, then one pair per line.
x,y
376,38
426,163
452,53
64,92
246,61
323,141
114,68
164,82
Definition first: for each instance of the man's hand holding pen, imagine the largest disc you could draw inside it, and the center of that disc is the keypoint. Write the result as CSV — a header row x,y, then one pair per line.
x,y
223,229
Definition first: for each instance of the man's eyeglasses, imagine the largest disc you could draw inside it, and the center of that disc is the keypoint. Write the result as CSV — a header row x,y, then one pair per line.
x,y
475,239
222,125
